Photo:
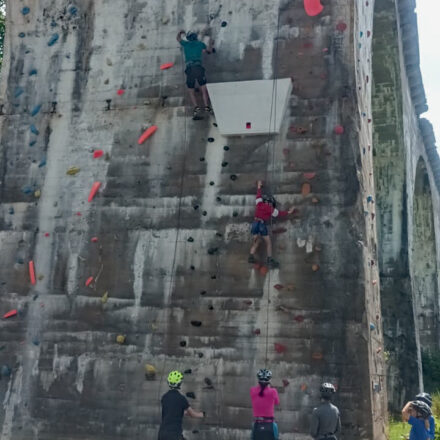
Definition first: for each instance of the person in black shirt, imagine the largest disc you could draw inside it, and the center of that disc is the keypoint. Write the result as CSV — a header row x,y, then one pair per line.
x,y
326,421
174,406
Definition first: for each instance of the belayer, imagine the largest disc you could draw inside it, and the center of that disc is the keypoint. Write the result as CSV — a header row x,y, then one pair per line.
x,y
417,414
264,398
265,210
194,70
425,397
174,407
326,421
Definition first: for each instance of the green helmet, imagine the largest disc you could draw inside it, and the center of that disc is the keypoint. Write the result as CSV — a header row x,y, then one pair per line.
x,y
175,379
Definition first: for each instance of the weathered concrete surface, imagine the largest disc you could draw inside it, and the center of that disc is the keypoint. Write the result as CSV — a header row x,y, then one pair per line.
x,y
69,377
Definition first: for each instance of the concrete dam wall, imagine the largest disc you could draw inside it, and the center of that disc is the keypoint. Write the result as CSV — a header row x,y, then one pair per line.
x,y
157,260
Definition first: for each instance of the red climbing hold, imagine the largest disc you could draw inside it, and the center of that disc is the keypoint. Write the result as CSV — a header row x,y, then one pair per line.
x,y
299,318
309,176
285,383
147,133
120,92
94,239
257,331
47,234
94,190
89,281
248,125
339,129
32,272
78,214
10,314
98,153
279,230
313,7
248,302
317,356
341,26
280,348
278,286
166,66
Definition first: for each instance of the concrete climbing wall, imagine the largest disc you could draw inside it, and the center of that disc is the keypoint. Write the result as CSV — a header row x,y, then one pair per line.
x,y
168,268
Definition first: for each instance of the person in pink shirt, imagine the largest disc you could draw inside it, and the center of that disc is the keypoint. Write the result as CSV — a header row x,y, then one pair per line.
x,y
264,398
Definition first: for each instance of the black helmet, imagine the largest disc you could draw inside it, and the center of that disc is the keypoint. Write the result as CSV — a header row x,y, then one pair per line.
x,y
191,36
425,397
264,375
269,199
327,390
422,408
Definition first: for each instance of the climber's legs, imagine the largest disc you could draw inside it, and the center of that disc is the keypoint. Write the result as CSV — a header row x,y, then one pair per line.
x,y
255,244
268,242
205,95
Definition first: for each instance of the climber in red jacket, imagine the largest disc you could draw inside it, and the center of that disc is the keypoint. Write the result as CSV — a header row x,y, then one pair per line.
x,y
265,210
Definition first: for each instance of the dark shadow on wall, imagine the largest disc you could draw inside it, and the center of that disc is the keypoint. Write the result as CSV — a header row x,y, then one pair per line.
x,y
391,218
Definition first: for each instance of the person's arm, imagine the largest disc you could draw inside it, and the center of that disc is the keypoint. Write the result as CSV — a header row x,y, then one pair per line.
x,y
338,425
314,424
179,36
406,412
259,192
194,414
279,214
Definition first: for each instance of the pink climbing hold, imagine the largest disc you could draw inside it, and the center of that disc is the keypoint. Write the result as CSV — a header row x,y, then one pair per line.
x,y
280,348
147,133
278,286
120,92
368,33
32,272
94,239
248,125
89,281
78,214
309,176
313,7
299,318
47,234
10,314
98,153
257,331
339,129
166,66
341,26
93,191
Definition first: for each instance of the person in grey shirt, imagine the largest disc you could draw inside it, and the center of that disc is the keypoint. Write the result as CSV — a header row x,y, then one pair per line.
x,y
326,421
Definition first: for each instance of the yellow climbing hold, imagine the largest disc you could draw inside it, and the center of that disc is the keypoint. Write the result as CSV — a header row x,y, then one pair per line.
x,y
120,339
72,171
37,194
150,371
104,298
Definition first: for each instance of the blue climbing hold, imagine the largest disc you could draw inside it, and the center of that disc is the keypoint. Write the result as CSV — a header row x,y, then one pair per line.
x,y
34,130
369,199
53,39
32,143
53,24
21,34
11,210
18,91
361,34
25,10
73,10
36,110
372,326
42,163
26,190
33,72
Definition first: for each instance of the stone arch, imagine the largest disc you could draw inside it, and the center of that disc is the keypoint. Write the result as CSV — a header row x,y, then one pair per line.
x,y
424,263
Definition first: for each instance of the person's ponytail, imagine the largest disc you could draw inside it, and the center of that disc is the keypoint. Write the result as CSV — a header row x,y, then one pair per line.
x,y
263,386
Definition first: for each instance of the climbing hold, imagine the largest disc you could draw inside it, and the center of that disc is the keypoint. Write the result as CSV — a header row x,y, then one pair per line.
x,y
190,239
280,348
224,23
257,331
104,298
212,183
26,190
147,133
317,356
315,267
42,163
368,34
299,318
305,189
36,110
89,281
248,125
235,214
18,91
309,176
379,350
93,191
361,34
278,286
285,383
166,66
182,343
72,171
224,164
94,239
196,323
303,387
120,339
11,210
247,302
78,214
208,381
339,129
203,292
32,272
279,230
98,153
34,130
5,371
46,234
341,26
37,194
212,251
263,270
53,39
73,10
370,199
315,200
372,326
211,139
202,159
36,342
10,314
226,148
25,10
33,72
120,92
233,177
191,395
150,372
313,7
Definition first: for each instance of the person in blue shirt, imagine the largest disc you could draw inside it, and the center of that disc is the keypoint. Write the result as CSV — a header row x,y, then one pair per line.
x,y
417,414
425,397
193,50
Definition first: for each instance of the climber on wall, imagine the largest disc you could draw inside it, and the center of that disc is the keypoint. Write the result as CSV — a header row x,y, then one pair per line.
x,y
326,421
174,407
417,414
425,397
266,208
193,50
264,398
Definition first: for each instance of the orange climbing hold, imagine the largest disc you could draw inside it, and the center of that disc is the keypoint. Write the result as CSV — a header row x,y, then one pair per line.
x,y
94,190
89,281
303,387
309,176
32,272
166,66
10,314
306,189
263,270
98,153
313,7
147,133
280,348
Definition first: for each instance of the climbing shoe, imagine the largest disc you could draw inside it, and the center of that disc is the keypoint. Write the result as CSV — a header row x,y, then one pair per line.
x,y
251,259
209,110
271,262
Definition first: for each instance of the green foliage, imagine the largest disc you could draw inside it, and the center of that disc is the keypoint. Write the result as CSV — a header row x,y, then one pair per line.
x,y
431,370
398,430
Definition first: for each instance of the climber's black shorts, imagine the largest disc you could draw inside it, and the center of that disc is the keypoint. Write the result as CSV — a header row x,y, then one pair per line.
x,y
195,72
170,436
